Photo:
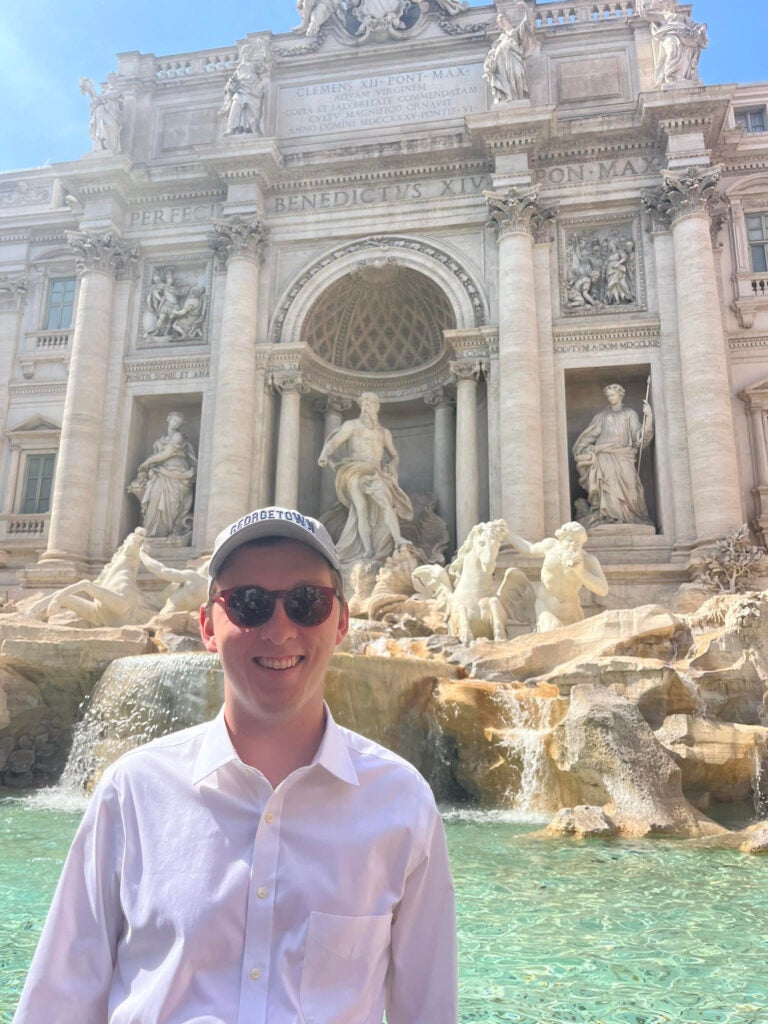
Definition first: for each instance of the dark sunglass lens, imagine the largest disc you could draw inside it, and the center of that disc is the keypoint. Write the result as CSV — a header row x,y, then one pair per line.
x,y
250,606
308,606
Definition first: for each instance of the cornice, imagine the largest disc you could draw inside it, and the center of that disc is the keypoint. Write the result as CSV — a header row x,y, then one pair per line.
x,y
377,174
741,342
29,390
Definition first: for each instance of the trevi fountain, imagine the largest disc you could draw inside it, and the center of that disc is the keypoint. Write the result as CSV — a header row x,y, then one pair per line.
x,y
603,777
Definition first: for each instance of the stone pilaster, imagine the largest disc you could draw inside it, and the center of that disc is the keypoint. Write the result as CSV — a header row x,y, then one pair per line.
x,y
99,258
444,457
672,457
238,243
757,409
684,201
291,387
518,215
467,374
332,408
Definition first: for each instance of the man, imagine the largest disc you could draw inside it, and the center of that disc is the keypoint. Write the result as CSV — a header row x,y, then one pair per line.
x,y
366,483
268,867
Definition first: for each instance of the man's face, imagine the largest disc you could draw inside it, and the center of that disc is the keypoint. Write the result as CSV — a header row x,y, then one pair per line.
x,y
275,672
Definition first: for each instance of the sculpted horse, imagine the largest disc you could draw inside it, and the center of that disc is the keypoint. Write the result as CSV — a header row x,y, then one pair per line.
x,y
112,599
472,605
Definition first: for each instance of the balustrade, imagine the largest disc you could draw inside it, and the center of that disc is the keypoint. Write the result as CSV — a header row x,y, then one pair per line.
x,y
190,65
19,526
571,14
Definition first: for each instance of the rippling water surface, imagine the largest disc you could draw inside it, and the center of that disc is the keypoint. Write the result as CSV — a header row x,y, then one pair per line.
x,y
550,931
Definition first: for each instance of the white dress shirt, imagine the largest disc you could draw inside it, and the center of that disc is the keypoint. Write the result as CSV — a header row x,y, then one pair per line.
x,y
195,893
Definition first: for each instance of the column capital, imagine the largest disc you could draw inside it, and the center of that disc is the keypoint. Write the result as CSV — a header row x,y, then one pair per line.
x,y
517,209
286,381
693,191
332,403
469,369
440,398
102,251
13,292
238,236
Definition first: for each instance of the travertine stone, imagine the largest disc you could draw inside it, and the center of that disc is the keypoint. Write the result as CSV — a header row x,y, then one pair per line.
x,y
99,258
290,387
239,243
709,419
466,374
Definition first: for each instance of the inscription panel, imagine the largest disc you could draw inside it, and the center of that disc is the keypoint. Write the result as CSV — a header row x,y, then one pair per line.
x,y
589,79
399,98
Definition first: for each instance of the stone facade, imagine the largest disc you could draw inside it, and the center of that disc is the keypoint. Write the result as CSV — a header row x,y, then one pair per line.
x,y
264,232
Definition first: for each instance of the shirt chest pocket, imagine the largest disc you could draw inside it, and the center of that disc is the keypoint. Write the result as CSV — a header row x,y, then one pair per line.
x,y
345,964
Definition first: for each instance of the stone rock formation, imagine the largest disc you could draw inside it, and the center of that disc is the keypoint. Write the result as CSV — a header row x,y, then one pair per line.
x,y
640,719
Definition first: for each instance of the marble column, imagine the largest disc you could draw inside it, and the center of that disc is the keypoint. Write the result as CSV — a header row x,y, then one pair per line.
x,y
239,245
467,374
518,215
332,408
685,200
99,258
444,457
290,387
756,403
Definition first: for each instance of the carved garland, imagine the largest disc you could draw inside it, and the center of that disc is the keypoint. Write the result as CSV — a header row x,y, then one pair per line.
x,y
384,242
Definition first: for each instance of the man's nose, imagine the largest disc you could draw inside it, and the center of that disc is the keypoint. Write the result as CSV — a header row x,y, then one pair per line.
x,y
279,627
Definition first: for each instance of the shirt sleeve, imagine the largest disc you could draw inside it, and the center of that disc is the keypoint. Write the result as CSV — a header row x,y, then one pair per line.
x,y
422,981
70,977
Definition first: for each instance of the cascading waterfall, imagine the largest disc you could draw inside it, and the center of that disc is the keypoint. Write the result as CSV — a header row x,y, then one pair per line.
x,y
528,721
137,699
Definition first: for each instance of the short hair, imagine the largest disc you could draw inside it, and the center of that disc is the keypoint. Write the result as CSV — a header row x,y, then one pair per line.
x,y
614,387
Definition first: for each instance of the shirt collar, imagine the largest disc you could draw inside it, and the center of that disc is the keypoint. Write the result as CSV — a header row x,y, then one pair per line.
x,y
216,750
333,752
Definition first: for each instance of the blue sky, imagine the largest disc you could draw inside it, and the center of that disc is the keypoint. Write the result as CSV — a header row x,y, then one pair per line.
x,y
45,45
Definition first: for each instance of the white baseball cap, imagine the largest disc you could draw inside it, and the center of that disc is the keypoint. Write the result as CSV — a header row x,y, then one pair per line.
x,y
271,522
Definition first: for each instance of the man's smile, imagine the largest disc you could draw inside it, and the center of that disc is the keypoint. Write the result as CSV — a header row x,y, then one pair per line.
x,y
280,664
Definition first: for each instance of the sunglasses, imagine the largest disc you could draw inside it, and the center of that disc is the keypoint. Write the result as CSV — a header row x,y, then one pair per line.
x,y
248,607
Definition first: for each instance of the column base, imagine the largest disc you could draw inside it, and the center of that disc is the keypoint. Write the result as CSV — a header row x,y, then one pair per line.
x,y
53,573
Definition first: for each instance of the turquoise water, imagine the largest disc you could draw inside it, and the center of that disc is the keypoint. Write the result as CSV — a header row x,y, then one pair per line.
x,y
550,931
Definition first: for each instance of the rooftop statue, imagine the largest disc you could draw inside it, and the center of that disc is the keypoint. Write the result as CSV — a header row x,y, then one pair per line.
x,y
679,41
106,118
244,94
504,67
366,484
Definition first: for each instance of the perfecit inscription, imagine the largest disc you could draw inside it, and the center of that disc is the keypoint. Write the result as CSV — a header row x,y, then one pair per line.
x,y
407,97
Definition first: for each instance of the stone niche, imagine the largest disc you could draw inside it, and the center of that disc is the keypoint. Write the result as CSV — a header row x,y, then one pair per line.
x,y
584,398
148,421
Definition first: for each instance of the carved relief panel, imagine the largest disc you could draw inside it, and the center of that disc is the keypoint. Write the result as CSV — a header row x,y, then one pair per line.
x,y
175,298
600,266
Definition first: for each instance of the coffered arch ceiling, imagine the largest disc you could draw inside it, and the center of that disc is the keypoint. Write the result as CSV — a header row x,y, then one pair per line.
x,y
382,317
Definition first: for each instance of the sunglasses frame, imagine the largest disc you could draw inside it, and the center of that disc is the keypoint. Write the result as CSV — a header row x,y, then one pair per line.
x,y
223,598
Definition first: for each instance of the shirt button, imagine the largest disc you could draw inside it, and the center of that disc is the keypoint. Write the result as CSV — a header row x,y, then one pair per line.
x,y
269,817
255,974
261,893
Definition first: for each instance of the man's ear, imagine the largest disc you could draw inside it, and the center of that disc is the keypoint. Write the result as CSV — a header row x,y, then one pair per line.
x,y
343,626
206,630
